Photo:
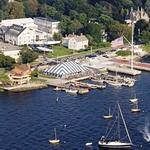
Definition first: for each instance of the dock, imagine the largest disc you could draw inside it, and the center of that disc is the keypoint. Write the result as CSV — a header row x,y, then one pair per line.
x,y
124,70
136,65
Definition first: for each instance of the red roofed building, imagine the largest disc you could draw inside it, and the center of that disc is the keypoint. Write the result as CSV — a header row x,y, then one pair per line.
x,y
21,74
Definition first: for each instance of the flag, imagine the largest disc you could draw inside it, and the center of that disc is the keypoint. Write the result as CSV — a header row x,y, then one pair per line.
x,y
117,42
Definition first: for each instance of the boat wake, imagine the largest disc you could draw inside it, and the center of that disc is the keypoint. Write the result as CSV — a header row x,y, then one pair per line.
x,y
145,130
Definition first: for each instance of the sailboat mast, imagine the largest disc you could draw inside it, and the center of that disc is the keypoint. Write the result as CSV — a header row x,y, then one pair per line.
x,y
124,124
55,133
118,125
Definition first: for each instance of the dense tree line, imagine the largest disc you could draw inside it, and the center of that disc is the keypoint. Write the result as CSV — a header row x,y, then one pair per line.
x,y
90,17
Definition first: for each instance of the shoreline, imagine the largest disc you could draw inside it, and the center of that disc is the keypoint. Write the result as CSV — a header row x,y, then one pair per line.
x,y
25,87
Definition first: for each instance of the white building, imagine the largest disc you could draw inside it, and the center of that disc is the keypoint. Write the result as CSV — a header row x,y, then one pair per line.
x,y
10,50
75,42
28,31
47,25
25,22
19,35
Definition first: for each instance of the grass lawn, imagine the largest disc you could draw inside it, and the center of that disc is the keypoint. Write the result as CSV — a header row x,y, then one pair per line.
x,y
147,47
59,51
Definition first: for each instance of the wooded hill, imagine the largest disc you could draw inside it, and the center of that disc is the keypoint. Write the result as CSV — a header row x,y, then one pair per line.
x,y
87,16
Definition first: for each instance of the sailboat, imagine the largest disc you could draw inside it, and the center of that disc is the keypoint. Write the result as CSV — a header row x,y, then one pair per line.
x,y
135,108
109,116
133,100
55,141
117,143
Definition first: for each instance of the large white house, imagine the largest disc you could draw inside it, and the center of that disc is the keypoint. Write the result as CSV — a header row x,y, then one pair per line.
x,y
75,42
19,35
47,25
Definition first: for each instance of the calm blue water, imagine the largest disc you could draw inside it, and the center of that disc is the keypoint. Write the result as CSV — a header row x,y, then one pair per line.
x,y
27,119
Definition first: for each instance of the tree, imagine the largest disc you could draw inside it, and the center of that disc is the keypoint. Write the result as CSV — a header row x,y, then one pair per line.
x,y
57,36
6,61
116,30
28,56
15,10
147,6
95,30
31,7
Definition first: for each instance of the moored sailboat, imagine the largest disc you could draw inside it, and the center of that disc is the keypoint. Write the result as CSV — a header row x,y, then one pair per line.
x,y
117,143
135,108
55,141
109,116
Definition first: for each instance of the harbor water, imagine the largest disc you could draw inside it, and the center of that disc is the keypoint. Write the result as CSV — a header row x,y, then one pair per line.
x,y
28,119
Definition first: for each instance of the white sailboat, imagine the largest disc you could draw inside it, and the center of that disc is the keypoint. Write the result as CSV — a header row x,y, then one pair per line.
x,y
55,141
117,143
109,116
135,107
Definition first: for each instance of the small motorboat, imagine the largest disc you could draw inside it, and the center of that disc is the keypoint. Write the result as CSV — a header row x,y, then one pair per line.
x,y
55,141
109,116
71,91
88,144
83,90
134,100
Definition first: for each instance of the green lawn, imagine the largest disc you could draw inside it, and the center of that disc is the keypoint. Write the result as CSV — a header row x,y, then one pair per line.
x,y
147,47
59,51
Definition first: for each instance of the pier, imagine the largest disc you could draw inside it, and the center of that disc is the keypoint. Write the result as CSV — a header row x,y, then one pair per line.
x,y
124,70
136,65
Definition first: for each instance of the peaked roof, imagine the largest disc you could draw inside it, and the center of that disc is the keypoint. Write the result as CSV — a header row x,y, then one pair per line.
x,y
65,68
15,30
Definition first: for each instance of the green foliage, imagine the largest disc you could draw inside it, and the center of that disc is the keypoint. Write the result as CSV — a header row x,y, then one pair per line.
x,y
75,15
57,36
95,31
34,73
147,47
6,61
15,10
28,56
123,53
117,30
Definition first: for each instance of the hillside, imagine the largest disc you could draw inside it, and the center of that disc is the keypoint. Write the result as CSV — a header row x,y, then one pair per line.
x,y
90,17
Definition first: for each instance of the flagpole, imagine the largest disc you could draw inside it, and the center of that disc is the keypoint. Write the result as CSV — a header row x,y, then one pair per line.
x,y
132,42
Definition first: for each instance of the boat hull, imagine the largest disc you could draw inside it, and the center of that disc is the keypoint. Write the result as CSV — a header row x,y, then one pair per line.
x,y
54,141
115,145
107,117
